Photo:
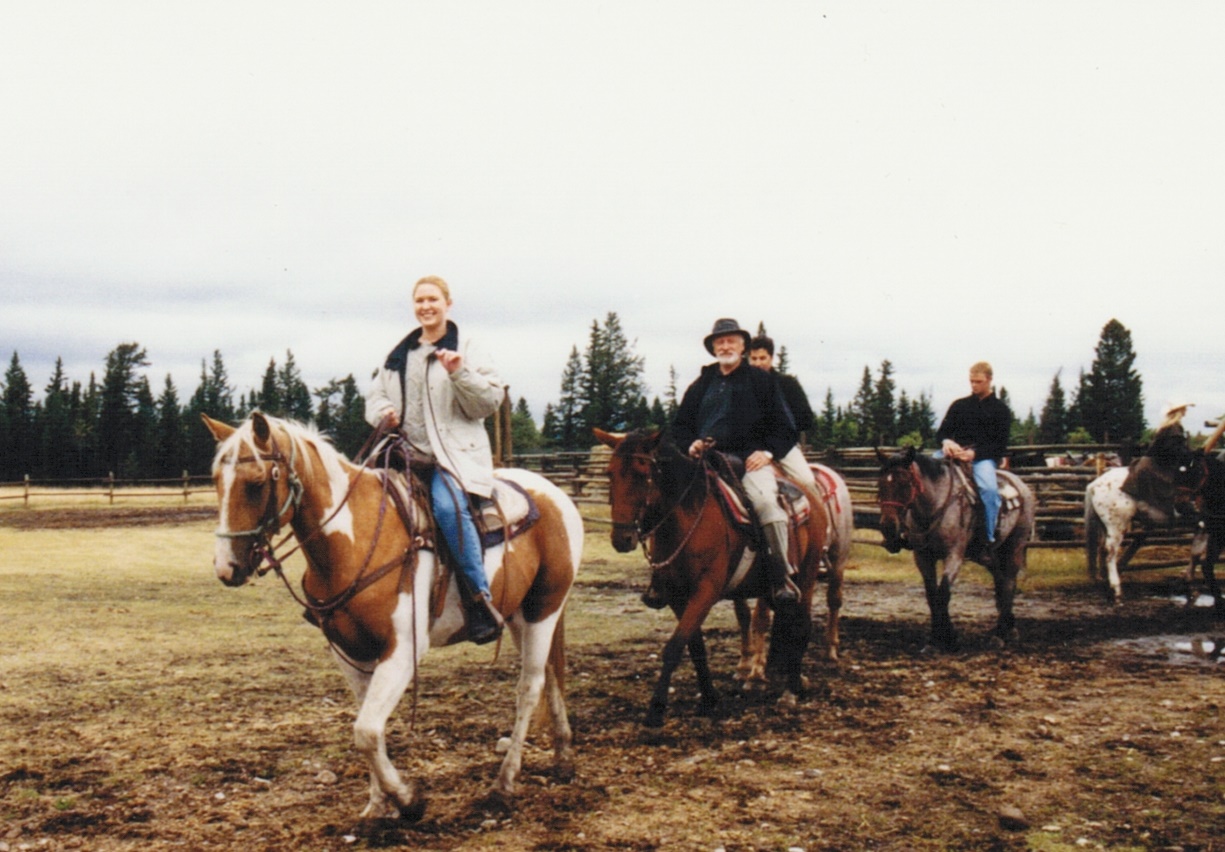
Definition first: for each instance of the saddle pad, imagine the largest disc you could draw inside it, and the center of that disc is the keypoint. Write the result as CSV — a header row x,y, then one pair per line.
x,y
792,497
511,510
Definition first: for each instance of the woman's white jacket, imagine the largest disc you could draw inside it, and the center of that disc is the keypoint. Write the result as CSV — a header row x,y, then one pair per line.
x,y
457,404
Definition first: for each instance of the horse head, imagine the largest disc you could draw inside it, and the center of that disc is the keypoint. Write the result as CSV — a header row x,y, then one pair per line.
x,y
897,488
257,490
631,482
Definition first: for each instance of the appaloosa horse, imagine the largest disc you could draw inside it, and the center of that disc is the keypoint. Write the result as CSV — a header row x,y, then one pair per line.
x,y
672,504
376,590
1109,513
929,506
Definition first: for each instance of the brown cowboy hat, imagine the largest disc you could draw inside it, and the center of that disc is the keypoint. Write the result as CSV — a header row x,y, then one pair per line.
x,y
723,327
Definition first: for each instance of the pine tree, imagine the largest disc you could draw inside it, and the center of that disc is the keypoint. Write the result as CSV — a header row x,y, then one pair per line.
x,y
295,397
141,460
17,437
269,399
883,418
525,437
1053,424
171,440
58,453
611,390
1112,406
862,407
117,421
564,432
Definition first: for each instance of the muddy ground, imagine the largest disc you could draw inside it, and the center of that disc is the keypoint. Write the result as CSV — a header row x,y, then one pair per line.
x,y
1102,729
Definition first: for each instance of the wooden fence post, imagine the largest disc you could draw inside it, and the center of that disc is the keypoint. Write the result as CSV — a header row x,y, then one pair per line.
x,y
110,476
26,498
186,485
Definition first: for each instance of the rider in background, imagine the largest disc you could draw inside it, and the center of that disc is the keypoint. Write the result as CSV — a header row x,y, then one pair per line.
x,y
437,388
800,416
975,429
742,411
1150,478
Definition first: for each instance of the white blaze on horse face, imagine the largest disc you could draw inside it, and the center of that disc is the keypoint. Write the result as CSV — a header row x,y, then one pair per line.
x,y
223,547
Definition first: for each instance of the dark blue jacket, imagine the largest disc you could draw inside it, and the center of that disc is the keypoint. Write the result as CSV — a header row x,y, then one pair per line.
x,y
757,417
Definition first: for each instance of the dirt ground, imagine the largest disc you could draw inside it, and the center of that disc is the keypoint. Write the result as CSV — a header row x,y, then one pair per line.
x,y
1102,729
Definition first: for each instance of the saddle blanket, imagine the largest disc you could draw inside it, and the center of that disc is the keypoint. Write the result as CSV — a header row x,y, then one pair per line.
x,y
794,500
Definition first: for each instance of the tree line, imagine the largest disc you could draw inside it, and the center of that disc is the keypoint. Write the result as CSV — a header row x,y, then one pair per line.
x,y
603,387
119,425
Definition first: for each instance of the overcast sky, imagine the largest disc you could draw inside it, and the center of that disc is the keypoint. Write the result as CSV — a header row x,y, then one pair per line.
x,y
929,183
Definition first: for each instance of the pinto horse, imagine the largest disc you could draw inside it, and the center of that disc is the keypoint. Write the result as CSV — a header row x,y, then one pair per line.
x,y
1110,513
928,505
671,504
377,591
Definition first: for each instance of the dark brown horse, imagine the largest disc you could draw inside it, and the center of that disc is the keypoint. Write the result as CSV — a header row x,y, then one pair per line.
x,y
928,505
671,504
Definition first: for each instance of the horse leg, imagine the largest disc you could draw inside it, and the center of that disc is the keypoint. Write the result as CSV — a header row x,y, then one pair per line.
x,y
754,626
688,627
792,633
538,666
1211,553
1005,576
833,604
1114,543
383,689
939,591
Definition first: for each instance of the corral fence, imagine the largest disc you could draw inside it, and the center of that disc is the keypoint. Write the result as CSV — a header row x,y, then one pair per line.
x,y
1057,473
109,488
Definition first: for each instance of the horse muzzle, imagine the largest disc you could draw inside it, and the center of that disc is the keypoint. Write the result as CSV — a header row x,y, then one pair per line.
x,y
234,565
624,537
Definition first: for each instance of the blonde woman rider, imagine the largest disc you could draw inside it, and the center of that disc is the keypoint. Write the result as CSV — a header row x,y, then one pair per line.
x,y
437,387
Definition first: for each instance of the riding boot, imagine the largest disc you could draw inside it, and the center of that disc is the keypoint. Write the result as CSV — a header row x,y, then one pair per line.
x,y
484,620
782,590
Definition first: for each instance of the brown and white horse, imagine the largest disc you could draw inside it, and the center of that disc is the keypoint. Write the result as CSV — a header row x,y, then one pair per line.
x,y
371,584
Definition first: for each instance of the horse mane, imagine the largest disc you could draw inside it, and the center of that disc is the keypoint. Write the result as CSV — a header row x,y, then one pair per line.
x,y
299,433
931,468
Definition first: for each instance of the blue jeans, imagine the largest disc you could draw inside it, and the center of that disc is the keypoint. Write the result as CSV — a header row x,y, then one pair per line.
x,y
988,491
454,518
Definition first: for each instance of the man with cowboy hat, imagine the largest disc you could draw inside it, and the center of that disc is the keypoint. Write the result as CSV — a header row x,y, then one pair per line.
x,y
741,410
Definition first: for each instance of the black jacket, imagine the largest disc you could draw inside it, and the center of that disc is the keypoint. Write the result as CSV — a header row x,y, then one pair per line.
x,y
756,420
983,424
797,402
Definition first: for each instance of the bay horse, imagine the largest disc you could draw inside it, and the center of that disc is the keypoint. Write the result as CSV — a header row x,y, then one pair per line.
x,y
929,506
1110,513
378,593
1211,532
670,503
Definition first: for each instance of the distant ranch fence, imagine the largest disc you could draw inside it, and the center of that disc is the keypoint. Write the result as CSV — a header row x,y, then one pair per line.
x,y
109,488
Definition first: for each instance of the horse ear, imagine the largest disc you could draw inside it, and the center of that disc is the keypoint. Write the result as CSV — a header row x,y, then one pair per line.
x,y
608,439
910,454
652,440
219,430
259,423
881,455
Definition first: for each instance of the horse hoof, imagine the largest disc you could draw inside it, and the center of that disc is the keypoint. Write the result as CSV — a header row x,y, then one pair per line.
x,y
497,800
414,811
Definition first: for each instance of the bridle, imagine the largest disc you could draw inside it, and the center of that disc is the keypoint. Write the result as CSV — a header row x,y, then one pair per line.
x,y
271,521
916,490
638,524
